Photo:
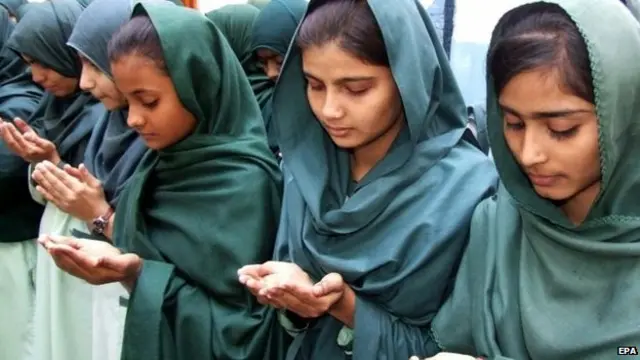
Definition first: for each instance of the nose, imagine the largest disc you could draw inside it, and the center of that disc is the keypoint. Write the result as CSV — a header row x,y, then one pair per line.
x,y
38,74
332,108
532,151
272,69
135,119
86,81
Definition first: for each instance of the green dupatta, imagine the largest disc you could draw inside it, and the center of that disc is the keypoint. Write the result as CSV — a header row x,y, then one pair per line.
x,y
398,238
532,285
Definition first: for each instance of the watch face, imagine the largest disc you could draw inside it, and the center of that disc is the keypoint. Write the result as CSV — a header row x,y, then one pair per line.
x,y
98,225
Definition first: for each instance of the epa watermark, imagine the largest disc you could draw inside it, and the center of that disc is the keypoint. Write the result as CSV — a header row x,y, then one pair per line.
x,y
628,350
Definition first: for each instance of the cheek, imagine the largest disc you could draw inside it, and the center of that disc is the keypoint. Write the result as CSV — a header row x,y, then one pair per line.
x,y
375,112
111,90
168,128
70,84
513,140
583,156
316,102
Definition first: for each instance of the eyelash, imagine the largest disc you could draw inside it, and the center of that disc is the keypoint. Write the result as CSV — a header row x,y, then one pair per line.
x,y
352,92
151,104
558,135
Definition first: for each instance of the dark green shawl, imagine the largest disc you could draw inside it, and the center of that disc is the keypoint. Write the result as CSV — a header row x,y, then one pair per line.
x,y
236,22
273,30
399,237
532,285
42,35
19,97
276,24
12,6
199,210
11,64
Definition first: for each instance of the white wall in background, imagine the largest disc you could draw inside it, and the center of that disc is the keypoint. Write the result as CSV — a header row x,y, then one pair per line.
x,y
208,5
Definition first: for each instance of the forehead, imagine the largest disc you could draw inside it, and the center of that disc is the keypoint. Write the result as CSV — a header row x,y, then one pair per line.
x,y
538,90
132,72
330,62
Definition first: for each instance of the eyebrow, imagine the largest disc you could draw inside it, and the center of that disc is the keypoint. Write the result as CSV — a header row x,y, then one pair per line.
x,y
139,92
344,79
546,114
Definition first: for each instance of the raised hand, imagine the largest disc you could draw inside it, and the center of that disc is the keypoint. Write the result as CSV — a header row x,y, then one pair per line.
x,y
26,143
80,194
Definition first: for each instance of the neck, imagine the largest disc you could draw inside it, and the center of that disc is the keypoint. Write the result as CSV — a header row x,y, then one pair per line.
x,y
577,208
365,157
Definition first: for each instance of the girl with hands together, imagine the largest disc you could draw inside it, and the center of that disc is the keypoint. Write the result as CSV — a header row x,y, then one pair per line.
x,y
366,183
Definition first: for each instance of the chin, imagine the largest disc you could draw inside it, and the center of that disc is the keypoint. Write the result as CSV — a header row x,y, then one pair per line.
x,y
345,143
553,193
153,144
110,104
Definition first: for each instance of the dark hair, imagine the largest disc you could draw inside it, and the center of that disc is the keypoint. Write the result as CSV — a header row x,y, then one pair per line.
x,y
137,37
351,23
540,36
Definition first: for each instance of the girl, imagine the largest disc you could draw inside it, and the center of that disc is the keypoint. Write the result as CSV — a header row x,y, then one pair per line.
x,y
271,35
552,265
61,130
380,182
204,200
236,23
19,215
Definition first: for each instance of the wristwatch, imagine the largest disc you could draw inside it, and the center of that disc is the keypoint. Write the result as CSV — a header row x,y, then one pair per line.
x,y
101,222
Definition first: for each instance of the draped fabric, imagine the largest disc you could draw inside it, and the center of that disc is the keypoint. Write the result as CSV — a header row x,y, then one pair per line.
x,y
12,6
273,29
236,23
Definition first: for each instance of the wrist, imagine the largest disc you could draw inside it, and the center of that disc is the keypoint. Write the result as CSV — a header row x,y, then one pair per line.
x,y
101,217
344,308
130,282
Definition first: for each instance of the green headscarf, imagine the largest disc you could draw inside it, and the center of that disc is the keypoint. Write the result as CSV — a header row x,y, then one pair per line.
x,y
532,285
12,6
42,35
399,236
19,97
23,10
274,29
236,22
276,25
200,209
11,65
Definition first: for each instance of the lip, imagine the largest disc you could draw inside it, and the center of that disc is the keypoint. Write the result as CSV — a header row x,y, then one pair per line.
x,y
147,135
336,131
543,180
